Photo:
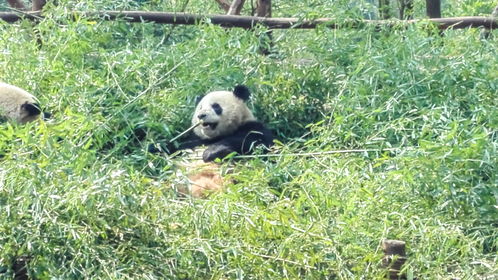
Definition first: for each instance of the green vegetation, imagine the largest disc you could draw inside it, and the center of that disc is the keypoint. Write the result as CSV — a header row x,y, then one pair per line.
x,y
80,196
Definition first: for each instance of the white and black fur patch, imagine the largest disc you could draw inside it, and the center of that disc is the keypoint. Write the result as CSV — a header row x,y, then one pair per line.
x,y
221,113
17,104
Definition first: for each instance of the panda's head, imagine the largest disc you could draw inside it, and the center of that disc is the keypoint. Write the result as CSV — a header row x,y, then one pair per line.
x,y
221,113
17,104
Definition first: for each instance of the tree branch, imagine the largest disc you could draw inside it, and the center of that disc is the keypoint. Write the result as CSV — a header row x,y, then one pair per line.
x,y
250,22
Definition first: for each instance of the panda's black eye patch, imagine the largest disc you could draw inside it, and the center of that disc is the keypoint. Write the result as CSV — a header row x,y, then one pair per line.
x,y
217,108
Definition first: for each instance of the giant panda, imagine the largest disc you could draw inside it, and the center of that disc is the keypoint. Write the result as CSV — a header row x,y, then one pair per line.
x,y
17,104
224,124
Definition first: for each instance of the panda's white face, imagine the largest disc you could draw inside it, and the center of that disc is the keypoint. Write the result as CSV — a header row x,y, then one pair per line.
x,y
220,114
17,104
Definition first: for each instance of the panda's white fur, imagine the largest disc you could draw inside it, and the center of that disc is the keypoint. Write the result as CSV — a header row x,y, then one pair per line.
x,y
234,113
17,104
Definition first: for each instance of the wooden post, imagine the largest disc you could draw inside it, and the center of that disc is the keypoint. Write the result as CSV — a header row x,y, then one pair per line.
x,y
406,9
235,7
394,258
16,4
486,33
433,8
264,8
384,9
266,40
20,268
38,5
224,4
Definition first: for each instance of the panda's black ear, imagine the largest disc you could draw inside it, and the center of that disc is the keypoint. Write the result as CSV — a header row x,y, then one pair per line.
x,y
242,92
32,109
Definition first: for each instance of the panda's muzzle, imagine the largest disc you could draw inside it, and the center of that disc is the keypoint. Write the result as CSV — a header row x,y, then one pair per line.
x,y
210,125
205,124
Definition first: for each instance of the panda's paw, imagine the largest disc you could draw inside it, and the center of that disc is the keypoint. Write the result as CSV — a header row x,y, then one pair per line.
x,y
216,151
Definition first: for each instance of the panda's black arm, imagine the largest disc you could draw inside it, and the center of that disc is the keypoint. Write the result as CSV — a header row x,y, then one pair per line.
x,y
190,142
243,141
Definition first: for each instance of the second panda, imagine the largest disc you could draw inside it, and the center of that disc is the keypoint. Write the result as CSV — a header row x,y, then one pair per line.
x,y
226,126
18,105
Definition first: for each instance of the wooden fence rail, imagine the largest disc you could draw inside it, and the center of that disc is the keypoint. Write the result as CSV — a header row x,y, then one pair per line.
x,y
250,22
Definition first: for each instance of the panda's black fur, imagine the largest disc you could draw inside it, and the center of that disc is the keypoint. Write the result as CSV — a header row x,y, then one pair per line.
x,y
242,141
227,126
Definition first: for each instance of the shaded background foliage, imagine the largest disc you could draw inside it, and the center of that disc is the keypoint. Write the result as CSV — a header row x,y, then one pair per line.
x,y
82,198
